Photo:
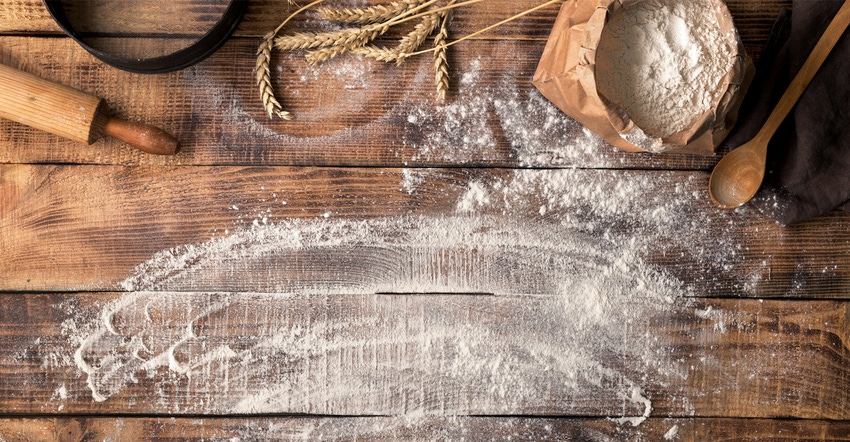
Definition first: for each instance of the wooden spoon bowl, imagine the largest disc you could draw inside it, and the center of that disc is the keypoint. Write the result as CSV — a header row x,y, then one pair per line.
x,y
738,176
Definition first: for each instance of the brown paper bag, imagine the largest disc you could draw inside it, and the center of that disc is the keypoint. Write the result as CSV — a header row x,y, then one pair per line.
x,y
566,76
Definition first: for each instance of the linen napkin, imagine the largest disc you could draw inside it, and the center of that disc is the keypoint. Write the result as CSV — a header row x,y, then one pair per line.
x,y
808,160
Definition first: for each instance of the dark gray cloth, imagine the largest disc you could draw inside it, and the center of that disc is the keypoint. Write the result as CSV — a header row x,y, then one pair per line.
x,y
808,160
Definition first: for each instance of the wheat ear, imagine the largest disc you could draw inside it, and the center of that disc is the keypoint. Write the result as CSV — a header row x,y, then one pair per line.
x,y
380,54
270,103
263,67
372,14
441,62
345,37
352,39
408,43
423,29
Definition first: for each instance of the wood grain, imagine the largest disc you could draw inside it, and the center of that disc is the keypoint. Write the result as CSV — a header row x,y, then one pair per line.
x,y
86,227
48,106
418,355
388,268
752,17
195,17
404,429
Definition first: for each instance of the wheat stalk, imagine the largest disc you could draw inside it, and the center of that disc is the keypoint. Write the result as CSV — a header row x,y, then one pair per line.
x,y
408,43
302,40
441,63
263,68
488,28
380,54
373,14
263,72
324,54
350,38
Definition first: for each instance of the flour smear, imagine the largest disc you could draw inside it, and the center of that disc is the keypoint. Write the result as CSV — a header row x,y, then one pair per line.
x,y
370,316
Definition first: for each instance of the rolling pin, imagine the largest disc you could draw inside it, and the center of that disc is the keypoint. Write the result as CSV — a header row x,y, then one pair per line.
x,y
72,114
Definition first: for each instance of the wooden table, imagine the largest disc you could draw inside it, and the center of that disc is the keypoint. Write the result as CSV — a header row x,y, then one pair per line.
x,y
389,267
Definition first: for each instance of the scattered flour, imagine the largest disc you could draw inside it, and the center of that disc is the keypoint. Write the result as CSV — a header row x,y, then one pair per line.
x,y
475,197
672,433
662,61
459,131
538,133
636,397
722,319
61,392
412,179
322,332
565,252
61,395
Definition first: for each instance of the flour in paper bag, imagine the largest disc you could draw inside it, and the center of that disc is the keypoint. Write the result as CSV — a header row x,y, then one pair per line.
x,y
663,61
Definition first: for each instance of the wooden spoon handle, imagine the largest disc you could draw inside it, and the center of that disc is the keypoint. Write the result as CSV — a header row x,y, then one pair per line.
x,y
824,46
141,136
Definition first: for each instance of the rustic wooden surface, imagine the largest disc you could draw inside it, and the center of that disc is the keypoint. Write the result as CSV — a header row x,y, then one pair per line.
x,y
393,429
386,267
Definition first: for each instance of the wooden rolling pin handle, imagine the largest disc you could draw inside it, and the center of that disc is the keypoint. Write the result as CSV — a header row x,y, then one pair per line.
x,y
141,136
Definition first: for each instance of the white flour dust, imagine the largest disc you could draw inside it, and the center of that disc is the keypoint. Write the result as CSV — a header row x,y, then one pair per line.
x,y
461,130
324,333
486,111
412,179
663,61
541,135
672,433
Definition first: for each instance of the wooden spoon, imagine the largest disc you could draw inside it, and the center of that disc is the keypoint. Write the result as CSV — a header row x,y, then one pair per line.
x,y
738,176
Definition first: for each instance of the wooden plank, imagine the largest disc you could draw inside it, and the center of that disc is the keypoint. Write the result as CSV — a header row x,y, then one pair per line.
x,y
348,112
406,429
383,114
594,272
370,230
629,356
167,18
195,17
752,17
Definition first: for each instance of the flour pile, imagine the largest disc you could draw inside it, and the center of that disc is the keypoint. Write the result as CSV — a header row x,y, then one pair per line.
x,y
663,61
